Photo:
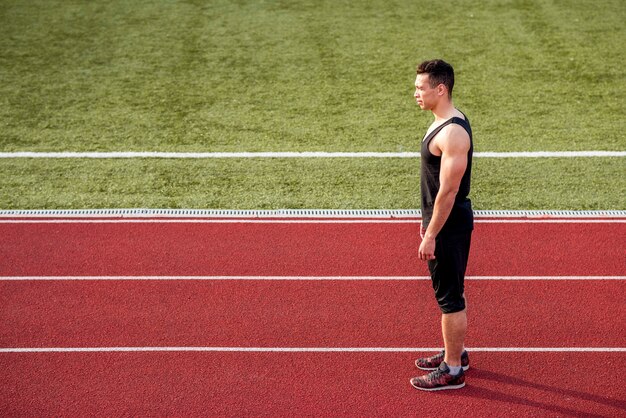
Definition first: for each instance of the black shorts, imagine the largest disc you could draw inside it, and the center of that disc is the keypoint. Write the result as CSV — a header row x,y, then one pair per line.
x,y
447,270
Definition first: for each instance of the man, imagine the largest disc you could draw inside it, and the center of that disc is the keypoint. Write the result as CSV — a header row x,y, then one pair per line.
x,y
447,220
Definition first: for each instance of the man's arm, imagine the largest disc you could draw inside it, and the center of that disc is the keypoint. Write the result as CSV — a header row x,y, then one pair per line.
x,y
454,143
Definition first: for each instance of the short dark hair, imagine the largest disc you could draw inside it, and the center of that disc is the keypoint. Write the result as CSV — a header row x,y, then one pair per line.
x,y
439,72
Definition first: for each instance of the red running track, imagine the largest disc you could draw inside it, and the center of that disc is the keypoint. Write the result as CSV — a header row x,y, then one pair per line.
x,y
306,313
308,249
306,384
351,313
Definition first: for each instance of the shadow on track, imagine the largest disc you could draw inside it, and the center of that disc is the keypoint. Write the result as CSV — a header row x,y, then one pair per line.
x,y
560,392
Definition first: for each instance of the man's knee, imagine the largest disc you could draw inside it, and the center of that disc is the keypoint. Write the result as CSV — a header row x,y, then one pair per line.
x,y
449,305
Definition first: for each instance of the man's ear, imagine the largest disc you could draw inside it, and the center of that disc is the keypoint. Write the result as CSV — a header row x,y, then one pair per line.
x,y
442,90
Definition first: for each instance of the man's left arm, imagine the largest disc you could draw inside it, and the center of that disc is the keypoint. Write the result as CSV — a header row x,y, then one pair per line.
x,y
454,146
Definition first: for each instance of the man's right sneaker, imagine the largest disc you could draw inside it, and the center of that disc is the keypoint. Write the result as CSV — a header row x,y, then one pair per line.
x,y
439,379
433,362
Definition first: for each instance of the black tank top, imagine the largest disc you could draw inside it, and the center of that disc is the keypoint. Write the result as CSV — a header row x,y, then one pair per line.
x,y
461,217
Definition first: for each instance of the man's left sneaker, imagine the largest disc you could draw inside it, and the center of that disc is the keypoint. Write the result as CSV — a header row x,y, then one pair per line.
x,y
433,362
439,379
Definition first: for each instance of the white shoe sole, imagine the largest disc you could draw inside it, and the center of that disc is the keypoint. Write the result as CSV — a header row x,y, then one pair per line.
x,y
438,388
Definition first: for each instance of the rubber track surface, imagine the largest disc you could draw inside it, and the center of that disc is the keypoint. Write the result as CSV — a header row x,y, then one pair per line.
x,y
306,384
305,314
92,313
310,249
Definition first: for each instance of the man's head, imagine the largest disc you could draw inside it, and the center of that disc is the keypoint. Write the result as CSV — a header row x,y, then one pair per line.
x,y
435,78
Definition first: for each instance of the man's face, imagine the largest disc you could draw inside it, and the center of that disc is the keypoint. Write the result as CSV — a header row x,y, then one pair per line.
x,y
425,96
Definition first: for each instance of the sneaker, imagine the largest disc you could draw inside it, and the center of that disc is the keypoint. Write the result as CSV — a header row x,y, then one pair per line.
x,y
431,363
440,379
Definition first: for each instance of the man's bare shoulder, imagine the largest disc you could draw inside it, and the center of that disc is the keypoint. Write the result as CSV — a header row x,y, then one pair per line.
x,y
453,138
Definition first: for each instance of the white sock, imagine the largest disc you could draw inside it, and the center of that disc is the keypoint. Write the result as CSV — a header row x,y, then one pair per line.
x,y
454,370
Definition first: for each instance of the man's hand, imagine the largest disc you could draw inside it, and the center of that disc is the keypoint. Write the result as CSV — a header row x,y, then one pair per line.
x,y
427,248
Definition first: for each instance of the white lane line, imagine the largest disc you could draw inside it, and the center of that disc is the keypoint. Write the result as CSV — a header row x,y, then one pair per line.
x,y
210,221
551,154
298,221
303,349
296,213
550,221
197,155
298,278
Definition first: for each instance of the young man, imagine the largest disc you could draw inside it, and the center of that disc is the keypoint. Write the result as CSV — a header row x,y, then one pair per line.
x,y
447,220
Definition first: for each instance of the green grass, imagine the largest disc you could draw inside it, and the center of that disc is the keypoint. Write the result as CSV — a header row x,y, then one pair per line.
x,y
307,75
574,184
